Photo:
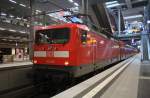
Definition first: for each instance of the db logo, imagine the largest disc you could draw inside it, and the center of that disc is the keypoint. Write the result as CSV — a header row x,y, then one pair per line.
x,y
52,48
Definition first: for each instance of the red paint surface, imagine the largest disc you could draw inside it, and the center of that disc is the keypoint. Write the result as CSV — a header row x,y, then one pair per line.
x,y
96,49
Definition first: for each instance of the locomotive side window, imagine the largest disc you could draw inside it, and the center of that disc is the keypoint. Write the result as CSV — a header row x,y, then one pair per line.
x,y
52,36
83,36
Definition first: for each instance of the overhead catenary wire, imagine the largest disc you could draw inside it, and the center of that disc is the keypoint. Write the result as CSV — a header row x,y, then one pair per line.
x,y
85,12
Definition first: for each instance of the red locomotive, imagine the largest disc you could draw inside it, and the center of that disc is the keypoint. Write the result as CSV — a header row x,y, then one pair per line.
x,y
75,50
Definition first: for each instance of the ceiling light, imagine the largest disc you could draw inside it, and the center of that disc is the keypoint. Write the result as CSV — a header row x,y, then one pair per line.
x,y
4,39
76,8
25,19
11,16
148,21
16,44
22,31
12,1
3,14
22,5
134,16
112,2
39,11
76,4
2,28
11,30
112,5
70,1
18,18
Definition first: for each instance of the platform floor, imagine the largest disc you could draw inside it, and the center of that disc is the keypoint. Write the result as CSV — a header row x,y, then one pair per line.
x,y
134,82
144,80
15,64
126,85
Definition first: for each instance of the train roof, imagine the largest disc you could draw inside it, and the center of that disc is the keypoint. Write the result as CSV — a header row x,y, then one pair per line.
x,y
84,27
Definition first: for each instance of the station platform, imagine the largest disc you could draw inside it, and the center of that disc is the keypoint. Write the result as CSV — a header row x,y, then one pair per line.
x,y
129,80
14,80
15,64
126,85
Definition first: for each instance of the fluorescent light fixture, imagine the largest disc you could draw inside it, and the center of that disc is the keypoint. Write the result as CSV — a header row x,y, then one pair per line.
x,y
38,11
22,5
3,14
112,2
76,8
76,4
113,5
11,16
16,44
4,39
25,19
18,18
70,1
12,1
148,21
50,15
22,31
12,30
2,28
134,16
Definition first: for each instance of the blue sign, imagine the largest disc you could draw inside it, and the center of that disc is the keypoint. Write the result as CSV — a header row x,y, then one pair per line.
x,y
75,20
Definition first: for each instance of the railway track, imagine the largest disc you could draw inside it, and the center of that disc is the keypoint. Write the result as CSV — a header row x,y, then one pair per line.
x,y
47,89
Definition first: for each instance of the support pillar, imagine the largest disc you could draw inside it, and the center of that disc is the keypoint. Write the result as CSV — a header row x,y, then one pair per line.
x,y
119,21
31,33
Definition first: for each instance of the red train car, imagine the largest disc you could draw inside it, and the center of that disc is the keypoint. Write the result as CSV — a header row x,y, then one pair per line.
x,y
74,50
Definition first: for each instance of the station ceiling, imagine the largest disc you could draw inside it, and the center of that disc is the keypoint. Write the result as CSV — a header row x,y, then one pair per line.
x,y
21,9
128,6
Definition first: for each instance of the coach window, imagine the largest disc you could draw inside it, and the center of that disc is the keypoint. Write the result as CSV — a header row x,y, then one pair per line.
x,y
83,36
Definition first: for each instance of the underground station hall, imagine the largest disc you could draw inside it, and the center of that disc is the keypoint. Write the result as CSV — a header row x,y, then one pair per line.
x,y
74,48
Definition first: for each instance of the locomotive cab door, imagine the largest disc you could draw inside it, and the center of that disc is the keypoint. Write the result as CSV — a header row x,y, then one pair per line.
x,y
86,55
90,41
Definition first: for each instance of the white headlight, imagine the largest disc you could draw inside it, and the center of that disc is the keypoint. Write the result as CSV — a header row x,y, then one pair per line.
x,y
66,63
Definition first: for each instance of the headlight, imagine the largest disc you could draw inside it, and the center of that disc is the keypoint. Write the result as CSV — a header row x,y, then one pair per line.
x,y
66,63
35,61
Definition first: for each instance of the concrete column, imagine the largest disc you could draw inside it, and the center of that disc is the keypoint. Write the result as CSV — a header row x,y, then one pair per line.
x,y
31,34
145,37
84,6
84,9
145,46
119,21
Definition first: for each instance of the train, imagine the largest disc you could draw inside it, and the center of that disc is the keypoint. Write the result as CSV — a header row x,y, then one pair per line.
x,y
73,50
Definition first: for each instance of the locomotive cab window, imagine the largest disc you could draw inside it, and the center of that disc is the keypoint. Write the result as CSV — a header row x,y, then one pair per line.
x,y
83,36
52,36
